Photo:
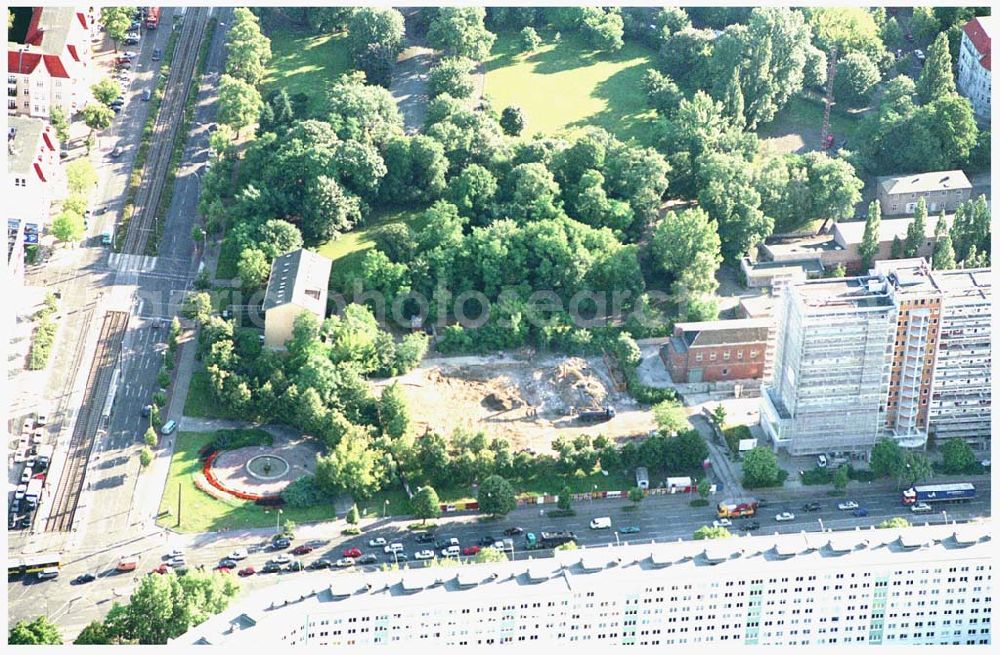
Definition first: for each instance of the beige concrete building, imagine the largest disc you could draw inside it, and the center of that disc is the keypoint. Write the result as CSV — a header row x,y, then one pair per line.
x,y
941,190
297,284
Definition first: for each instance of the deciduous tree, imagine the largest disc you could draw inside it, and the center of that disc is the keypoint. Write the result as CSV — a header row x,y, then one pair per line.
x,y
239,103
760,468
68,226
460,32
711,532
512,120
106,91
496,496
425,504
41,631
936,77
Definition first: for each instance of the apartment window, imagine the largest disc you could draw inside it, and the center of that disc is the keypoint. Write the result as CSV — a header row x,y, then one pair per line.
x,y
725,371
725,356
697,357
739,354
753,354
712,357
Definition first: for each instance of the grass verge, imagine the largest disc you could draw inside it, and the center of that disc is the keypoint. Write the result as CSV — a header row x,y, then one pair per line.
x,y
200,403
348,250
200,512
180,138
135,178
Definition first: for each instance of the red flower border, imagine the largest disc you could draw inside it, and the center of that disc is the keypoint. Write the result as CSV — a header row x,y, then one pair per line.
x,y
212,480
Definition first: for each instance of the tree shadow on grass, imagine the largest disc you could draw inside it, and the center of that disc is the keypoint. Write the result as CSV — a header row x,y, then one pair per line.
x,y
626,114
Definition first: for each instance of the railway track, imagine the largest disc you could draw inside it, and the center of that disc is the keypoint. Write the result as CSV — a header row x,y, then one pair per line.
x,y
67,496
168,120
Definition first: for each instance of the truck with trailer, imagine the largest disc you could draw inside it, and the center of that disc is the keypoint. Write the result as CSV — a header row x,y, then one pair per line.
x,y
152,17
939,493
732,509
548,539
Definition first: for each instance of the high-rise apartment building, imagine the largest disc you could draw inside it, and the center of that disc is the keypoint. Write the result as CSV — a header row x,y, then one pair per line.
x,y
903,352
920,585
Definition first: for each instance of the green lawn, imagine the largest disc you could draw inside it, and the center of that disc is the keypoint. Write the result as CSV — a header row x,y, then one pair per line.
x,y
306,63
803,117
201,512
199,401
567,86
347,250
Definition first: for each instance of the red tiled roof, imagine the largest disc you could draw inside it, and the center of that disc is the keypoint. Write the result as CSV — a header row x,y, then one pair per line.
x,y
980,39
22,63
48,141
55,66
34,35
38,171
72,52
82,19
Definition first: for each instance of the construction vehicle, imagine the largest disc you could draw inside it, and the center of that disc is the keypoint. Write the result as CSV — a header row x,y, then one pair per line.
x,y
152,17
548,539
596,415
731,509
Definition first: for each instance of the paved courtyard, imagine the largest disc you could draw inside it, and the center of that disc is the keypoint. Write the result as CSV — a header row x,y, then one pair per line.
x,y
290,459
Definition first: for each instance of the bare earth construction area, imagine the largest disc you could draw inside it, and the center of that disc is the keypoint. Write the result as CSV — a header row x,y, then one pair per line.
x,y
528,402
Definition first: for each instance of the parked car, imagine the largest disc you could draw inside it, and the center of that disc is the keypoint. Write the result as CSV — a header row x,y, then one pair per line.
x,y
394,548
175,553
629,529
784,516
861,511
447,542
451,551
117,152
321,563
351,552
722,523
921,508
370,558
146,95
470,550
239,554
377,542
812,507
168,427
282,559
302,550
157,54
345,562
280,543
749,526
294,566
244,572
83,578
228,563
26,474
513,532
147,410
131,54
847,505
271,567
487,541
919,54
162,569
424,554
425,538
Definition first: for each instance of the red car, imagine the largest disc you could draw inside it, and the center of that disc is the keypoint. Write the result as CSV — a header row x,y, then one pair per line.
x,y
162,569
247,571
470,550
222,569
302,550
352,552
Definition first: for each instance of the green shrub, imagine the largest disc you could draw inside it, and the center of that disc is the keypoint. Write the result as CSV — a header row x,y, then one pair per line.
x,y
733,434
233,439
817,475
304,492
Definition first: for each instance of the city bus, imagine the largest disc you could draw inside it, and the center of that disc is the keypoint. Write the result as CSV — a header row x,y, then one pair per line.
x,y
32,564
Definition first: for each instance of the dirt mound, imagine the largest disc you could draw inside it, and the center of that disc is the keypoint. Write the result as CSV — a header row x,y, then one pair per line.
x,y
503,400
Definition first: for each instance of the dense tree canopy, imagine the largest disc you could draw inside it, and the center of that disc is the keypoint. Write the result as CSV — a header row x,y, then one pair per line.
x,y
460,32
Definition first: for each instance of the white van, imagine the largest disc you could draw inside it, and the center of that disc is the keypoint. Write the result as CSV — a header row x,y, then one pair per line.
x,y
451,551
821,461
49,573
602,523
168,427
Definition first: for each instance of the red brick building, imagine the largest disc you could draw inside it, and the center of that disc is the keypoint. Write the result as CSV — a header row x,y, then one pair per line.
x,y
712,351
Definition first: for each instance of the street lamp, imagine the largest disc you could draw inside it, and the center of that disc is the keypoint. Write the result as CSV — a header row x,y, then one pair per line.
x,y
821,528
945,513
277,523
592,494
618,542
385,507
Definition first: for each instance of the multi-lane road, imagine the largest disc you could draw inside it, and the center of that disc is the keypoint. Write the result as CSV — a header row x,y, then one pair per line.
x,y
660,519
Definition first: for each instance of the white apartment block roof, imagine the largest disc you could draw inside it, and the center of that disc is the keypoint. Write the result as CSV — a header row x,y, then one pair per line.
x,y
23,136
268,615
915,277
925,182
863,292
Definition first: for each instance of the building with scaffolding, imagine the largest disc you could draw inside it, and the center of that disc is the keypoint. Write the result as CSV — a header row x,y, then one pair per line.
x,y
831,365
903,352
